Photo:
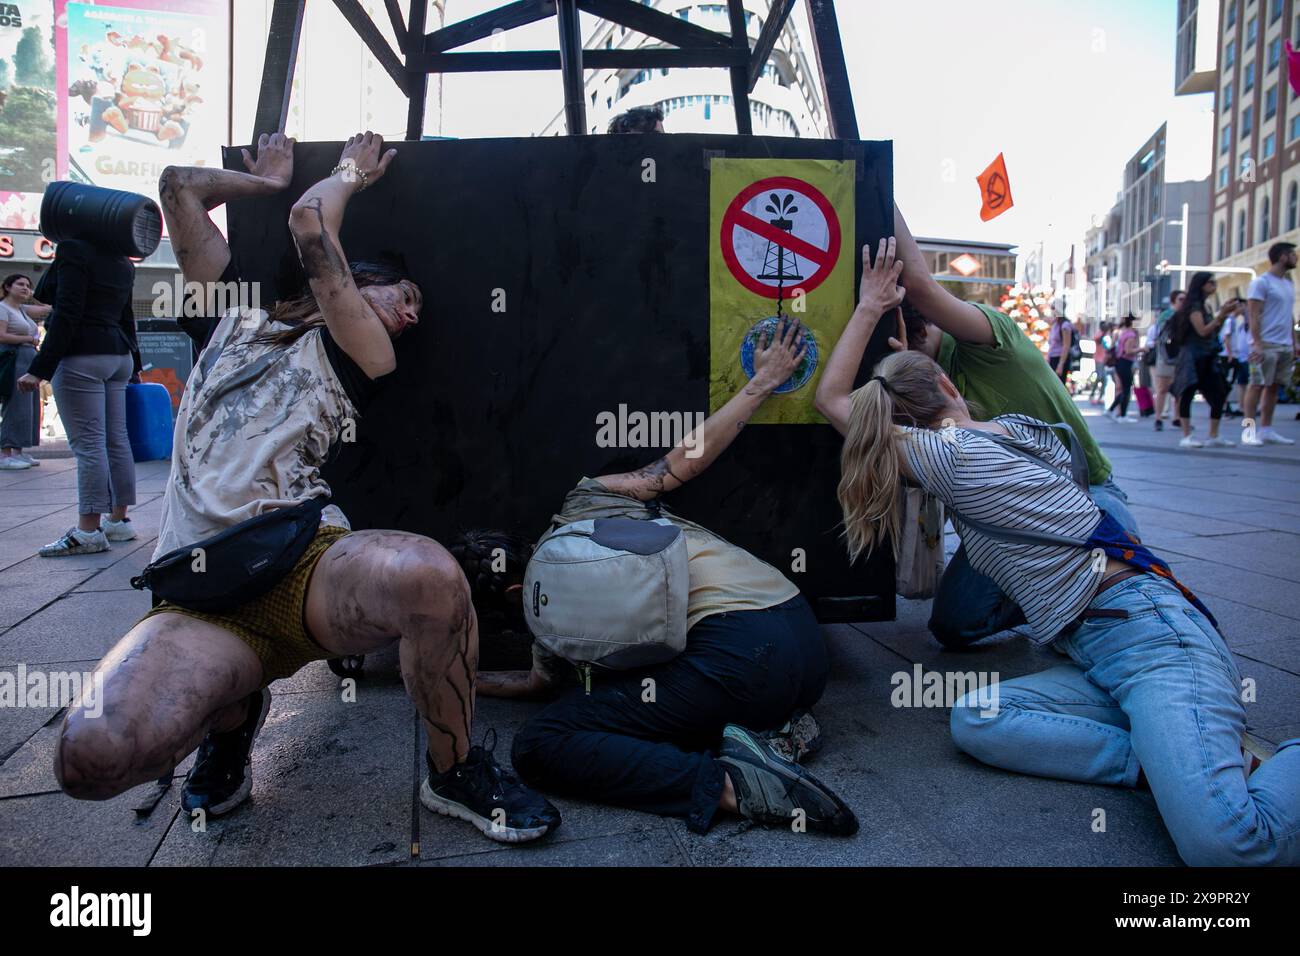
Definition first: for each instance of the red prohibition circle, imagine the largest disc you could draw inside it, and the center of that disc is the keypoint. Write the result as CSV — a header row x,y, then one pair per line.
x,y
825,259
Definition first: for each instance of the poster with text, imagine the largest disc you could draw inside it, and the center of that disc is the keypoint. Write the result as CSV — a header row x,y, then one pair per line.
x,y
143,84
27,110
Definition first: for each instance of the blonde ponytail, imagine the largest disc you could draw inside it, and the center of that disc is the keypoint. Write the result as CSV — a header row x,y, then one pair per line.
x,y
904,391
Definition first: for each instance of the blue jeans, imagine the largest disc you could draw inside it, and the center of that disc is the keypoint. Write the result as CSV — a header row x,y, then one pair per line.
x,y
1156,691
969,606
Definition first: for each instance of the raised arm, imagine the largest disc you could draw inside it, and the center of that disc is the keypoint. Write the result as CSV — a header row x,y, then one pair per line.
x,y
962,320
775,360
188,193
315,221
878,293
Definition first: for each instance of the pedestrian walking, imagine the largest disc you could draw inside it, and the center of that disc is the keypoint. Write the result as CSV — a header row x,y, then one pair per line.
x,y
19,337
88,355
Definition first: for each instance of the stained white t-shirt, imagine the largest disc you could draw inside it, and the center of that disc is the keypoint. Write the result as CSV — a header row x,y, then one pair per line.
x,y
255,426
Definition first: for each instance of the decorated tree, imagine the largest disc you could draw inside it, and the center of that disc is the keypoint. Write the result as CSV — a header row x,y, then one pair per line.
x,y
1031,307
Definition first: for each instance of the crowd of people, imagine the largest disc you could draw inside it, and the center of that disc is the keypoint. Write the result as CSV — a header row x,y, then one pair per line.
x,y
964,407
1243,351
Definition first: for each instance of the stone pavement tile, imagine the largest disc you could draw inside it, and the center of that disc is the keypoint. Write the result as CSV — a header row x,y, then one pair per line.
x,y
1212,579
644,848
18,724
1231,487
1264,516
1280,652
74,628
27,587
1244,626
1276,693
14,515
55,830
1159,522
117,577
1189,501
1275,735
1272,553
332,787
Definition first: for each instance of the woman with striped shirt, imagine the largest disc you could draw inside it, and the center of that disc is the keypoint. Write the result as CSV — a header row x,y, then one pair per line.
x,y
1151,691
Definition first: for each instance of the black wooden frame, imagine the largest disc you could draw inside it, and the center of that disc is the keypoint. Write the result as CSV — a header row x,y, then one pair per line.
x,y
421,53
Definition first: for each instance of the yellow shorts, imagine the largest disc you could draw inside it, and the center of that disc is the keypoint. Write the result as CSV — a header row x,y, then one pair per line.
x,y
274,625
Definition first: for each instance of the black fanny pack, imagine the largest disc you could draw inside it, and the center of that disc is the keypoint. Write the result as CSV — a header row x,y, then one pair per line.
x,y
239,564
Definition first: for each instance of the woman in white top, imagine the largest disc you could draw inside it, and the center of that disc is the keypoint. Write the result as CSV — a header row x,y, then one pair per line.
x,y
1151,692
19,335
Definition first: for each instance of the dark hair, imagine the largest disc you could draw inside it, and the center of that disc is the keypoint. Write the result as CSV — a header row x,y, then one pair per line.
x,y
1128,320
1173,296
1195,302
8,282
476,552
915,323
1278,249
639,119
302,313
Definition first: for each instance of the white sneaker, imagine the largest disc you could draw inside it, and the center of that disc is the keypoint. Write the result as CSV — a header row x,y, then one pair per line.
x,y
1251,441
1110,413
76,541
1190,442
13,463
34,462
1268,436
1217,442
119,530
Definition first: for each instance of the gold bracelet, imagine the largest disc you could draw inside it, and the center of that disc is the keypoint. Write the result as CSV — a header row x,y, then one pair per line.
x,y
353,168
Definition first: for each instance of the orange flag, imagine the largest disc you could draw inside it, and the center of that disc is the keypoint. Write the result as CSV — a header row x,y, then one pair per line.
x,y
995,190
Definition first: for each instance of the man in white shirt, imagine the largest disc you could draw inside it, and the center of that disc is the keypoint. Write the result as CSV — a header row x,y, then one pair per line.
x,y
1273,344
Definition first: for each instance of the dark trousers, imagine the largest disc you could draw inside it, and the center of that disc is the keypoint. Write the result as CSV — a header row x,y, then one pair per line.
x,y
1209,383
646,739
1124,373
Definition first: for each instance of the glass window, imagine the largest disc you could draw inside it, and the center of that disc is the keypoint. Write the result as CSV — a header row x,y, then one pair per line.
x,y
1293,207
1230,51
1241,230
1269,147
1265,208
1227,96
1248,77
1221,242
1225,138
1274,10
1247,121
1294,130
1274,52
1270,103
1252,33
1232,13
1223,177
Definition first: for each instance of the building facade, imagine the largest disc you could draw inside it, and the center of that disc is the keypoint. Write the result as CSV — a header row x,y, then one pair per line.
x,y
1256,152
975,271
786,101
1104,265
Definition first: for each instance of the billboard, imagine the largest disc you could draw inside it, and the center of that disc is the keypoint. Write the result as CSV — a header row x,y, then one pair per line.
x,y
27,109
143,84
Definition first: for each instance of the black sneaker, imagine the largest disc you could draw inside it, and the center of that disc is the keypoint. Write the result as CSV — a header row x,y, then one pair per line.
x,y
798,739
770,789
489,796
221,778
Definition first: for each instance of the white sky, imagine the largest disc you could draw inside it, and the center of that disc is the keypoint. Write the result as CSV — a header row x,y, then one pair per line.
x,y
1067,90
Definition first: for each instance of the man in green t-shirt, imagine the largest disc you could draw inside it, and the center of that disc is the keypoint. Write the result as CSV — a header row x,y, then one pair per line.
x,y
998,369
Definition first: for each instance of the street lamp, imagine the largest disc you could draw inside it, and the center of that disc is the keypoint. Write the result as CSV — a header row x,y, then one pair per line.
x,y
1182,252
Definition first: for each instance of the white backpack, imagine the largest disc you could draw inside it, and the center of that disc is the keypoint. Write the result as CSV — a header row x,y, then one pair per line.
x,y
609,592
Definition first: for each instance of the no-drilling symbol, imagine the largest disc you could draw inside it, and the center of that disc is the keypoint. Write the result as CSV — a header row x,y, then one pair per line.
x,y
780,234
